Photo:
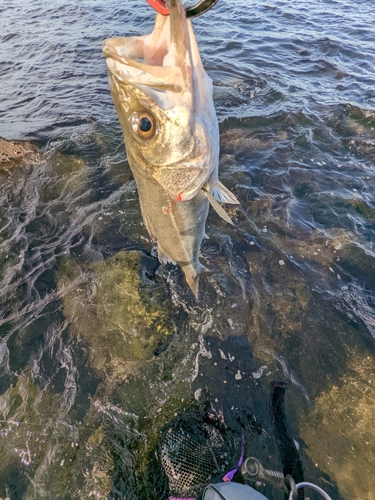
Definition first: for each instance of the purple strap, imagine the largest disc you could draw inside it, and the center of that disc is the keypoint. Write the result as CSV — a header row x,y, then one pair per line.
x,y
230,475
178,498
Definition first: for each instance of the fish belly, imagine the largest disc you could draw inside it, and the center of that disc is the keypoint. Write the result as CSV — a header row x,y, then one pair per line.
x,y
178,227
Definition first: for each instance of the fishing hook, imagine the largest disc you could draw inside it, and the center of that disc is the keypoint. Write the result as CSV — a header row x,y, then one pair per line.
x,y
196,10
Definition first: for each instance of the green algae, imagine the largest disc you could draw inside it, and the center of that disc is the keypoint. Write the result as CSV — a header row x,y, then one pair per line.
x,y
340,430
135,313
122,320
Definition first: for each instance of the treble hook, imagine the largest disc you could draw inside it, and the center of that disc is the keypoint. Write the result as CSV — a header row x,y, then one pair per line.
x,y
194,11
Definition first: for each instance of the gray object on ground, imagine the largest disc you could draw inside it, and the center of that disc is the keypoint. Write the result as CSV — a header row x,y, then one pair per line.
x,y
231,491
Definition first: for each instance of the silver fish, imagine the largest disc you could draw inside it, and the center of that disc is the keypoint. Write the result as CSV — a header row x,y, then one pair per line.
x,y
163,98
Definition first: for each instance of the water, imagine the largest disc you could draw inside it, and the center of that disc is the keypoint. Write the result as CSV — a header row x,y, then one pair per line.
x,y
100,348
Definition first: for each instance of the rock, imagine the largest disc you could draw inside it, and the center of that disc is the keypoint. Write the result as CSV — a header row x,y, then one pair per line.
x,y
12,152
111,306
340,430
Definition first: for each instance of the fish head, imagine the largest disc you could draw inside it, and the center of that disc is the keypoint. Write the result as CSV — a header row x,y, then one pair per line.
x,y
163,99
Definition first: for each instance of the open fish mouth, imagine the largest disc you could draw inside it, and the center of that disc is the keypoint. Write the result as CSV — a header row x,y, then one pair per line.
x,y
193,8
163,60
163,70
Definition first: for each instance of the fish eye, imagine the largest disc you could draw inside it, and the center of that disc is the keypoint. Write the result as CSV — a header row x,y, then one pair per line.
x,y
143,124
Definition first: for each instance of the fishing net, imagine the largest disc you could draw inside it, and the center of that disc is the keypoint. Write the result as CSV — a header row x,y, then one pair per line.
x,y
196,448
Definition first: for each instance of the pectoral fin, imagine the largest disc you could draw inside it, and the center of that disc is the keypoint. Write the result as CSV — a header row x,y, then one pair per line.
x,y
223,195
217,207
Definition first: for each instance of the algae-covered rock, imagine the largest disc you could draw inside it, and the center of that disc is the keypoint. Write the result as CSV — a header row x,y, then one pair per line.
x,y
121,318
340,431
68,173
123,306
98,478
76,467
28,426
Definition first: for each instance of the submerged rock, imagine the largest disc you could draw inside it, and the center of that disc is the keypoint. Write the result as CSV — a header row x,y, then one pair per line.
x,y
118,315
121,314
298,331
340,430
27,432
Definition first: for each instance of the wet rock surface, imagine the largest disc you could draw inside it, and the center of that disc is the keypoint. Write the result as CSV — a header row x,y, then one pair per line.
x,y
13,152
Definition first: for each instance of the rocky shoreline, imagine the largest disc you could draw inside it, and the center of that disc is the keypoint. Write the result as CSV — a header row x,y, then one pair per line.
x,y
12,152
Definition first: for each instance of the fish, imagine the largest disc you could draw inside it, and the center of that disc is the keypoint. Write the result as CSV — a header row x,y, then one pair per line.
x,y
164,102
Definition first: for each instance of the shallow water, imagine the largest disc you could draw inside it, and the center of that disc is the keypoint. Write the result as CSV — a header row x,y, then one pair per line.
x,y
100,347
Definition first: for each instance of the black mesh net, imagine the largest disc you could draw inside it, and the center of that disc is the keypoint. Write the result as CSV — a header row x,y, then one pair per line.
x,y
196,448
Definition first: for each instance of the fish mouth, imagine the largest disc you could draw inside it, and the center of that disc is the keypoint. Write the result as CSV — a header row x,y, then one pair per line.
x,y
162,61
195,10
162,72
180,46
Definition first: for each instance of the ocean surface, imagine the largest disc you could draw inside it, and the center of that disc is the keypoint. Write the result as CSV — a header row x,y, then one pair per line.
x,y
101,348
